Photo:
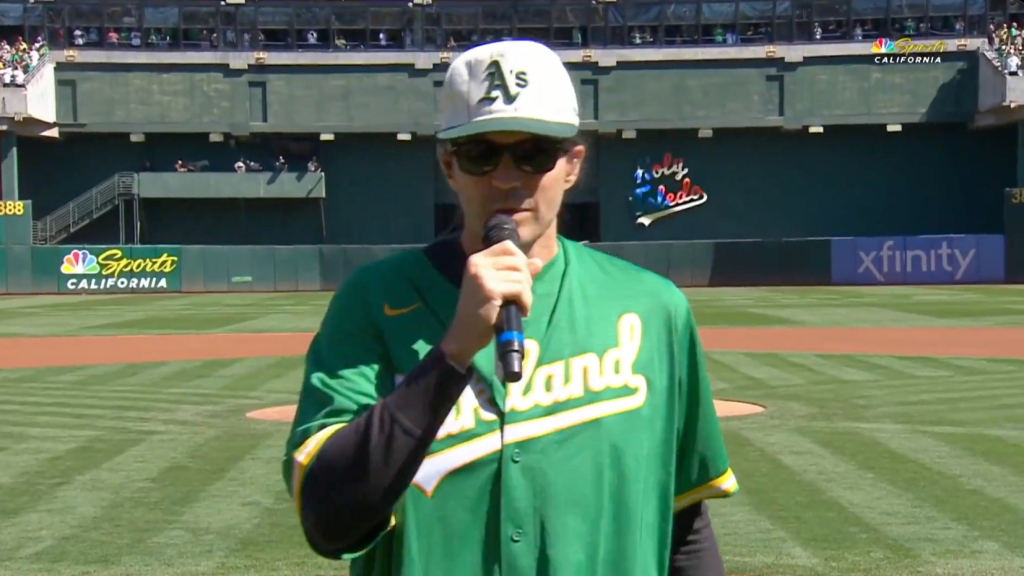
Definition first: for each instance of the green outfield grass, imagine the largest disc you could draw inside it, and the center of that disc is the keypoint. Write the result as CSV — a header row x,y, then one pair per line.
x,y
863,465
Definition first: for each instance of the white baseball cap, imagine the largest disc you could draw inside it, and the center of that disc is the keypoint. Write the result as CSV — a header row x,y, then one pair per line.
x,y
508,86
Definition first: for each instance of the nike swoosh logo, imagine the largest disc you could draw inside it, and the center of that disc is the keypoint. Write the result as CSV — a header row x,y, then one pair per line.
x,y
389,311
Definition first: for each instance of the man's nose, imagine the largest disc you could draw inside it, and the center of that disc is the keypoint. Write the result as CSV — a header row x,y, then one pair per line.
x,y
506,176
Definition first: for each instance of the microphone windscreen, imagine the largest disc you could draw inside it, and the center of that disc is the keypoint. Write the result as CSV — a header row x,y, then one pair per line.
x,y
499,228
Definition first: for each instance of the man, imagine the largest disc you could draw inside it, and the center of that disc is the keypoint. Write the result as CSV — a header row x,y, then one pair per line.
x,y
409,453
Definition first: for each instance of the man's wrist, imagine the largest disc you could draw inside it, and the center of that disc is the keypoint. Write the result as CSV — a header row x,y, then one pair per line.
x,y
456,356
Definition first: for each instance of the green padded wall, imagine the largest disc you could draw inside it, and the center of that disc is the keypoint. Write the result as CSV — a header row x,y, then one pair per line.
x,y
19,270
3,270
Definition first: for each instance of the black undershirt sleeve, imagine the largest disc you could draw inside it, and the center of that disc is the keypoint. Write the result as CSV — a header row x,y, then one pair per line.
x,y
694,547
362,470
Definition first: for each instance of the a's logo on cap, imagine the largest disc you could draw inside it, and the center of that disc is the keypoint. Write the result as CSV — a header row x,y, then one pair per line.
x,y
497,84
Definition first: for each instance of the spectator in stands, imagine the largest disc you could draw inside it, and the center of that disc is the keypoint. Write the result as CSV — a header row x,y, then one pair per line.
x,y
1007,47
17,59
1013,62
240,166
313,165
280,165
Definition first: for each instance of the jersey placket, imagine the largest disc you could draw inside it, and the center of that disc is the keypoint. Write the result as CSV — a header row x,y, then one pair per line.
x,y
520,534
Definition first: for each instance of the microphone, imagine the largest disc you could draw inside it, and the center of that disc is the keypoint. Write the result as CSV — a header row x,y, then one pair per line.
x,y
508,332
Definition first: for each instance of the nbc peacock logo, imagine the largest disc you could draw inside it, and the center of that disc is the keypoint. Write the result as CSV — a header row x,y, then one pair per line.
x,y
80,262
883,46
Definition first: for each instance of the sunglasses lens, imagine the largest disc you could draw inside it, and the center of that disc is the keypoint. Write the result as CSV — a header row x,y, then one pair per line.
x,y
533,155
536,155
477,157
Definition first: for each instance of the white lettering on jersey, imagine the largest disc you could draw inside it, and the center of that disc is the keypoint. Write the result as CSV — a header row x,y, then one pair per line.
x,y
543,386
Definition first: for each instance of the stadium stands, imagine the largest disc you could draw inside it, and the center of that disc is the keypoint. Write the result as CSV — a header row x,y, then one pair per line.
x,y
325,25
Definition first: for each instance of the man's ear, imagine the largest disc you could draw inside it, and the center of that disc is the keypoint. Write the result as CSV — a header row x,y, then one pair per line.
x,y
574,164
447,162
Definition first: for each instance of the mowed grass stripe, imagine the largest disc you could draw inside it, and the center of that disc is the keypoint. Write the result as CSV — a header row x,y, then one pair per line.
x,y
169,390
181,415
32,476
1011,435
933,507
284,378
91,375
746,535
252,375
306,320
996,451
143,374
145,509
71,509
168,398
897,390
1007,413
975,474
14,429
763,372
965,399
13,302
776,489
25,461
810,315
824,364
906,366
975,365
120,402
868,493
231,508
160,374
185,419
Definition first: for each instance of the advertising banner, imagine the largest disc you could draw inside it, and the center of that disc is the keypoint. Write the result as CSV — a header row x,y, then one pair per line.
x,y
112,269
964,259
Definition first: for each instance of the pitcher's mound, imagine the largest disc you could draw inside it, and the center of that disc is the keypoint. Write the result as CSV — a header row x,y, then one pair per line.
x,y
275,414
730,408
724,409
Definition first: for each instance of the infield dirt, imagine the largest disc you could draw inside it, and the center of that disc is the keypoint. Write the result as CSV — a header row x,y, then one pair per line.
x,y
724,409
93,350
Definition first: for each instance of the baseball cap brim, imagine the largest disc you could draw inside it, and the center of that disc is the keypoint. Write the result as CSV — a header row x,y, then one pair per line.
x,y
528,125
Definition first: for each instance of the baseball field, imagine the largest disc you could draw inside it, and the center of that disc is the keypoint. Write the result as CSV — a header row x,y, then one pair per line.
x,y
892,443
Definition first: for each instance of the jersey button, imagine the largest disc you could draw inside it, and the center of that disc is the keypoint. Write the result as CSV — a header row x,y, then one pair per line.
x,y
517,535
517,456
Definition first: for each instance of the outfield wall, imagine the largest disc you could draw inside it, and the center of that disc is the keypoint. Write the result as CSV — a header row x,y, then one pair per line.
x,y
964,259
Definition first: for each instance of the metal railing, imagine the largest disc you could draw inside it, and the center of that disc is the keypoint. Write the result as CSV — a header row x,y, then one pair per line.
x,y
91,205
40,64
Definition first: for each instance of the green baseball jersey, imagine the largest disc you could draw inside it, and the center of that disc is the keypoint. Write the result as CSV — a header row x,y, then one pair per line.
x,y
575,469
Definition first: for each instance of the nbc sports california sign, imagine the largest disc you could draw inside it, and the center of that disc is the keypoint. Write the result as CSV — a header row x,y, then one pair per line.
x,y
906,51
121,269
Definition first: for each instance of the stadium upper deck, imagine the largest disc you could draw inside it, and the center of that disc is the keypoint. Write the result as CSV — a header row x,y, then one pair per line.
x,y
319,25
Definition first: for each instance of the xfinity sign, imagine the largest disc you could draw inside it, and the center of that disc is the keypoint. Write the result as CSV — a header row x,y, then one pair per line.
x,y
903,260
918,260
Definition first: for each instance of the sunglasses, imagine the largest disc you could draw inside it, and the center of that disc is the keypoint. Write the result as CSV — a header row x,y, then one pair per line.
x,y
536,155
